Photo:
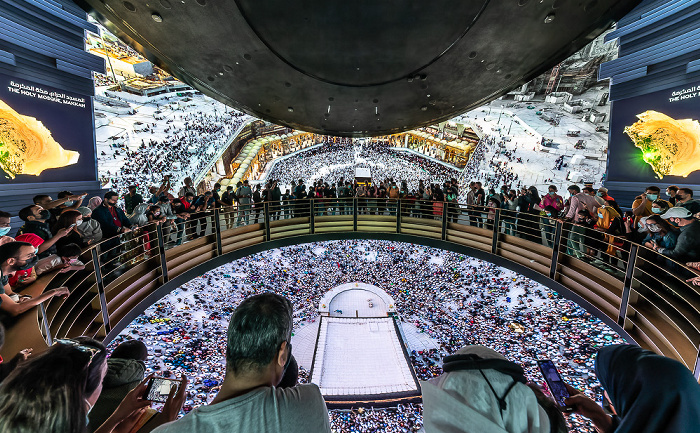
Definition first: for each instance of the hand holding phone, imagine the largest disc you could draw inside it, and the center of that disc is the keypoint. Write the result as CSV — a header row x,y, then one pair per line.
x,y
159,388
556,385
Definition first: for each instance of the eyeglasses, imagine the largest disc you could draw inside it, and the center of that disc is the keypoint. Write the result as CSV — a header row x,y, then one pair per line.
x,y
92,351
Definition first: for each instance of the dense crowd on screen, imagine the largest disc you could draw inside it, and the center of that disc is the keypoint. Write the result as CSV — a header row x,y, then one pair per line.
x,y
455,300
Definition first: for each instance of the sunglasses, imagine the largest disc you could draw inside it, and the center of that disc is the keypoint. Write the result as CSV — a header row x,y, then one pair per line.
x,y
92,351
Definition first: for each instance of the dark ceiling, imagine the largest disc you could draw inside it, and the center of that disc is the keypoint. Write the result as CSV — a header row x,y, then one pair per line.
x,y
356,68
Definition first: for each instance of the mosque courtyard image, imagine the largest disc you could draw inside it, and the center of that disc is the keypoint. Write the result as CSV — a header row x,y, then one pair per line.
x,y
349,217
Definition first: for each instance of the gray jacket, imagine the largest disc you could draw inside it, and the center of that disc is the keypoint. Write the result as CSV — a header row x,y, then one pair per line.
x,y
90,231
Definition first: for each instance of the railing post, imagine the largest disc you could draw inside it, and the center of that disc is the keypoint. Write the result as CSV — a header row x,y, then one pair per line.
x,y
45,324
217,231
161,251
100,290
496,223
266,210
398,216
444,221
312,216
696,371
559,227
354,214
627,287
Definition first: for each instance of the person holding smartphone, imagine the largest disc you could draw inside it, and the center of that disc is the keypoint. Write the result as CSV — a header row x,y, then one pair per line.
x,y
258,356
650,392
483,392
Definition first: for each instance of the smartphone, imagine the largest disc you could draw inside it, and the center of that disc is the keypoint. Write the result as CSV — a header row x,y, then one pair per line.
x,y
158,388
555,383
71,226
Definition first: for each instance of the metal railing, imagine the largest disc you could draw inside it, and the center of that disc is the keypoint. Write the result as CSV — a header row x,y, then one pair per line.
x,y
641,293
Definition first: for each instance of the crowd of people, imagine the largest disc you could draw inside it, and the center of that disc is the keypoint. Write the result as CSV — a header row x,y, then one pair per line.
x,y
336,161
454,299
189,143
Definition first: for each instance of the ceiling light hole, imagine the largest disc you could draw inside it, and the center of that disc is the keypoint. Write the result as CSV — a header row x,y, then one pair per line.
x,y
129,6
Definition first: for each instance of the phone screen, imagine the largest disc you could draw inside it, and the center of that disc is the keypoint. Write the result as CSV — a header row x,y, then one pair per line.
x,y
159,388
554,382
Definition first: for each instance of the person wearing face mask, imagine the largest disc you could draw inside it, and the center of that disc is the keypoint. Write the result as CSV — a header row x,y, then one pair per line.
x,y
642,204
658,207
90,229
67,259
25,277
5,228
111,218
684,198
671,192
113,222
687,248
66,200
35,222
70,220
18,256
554,201
660,233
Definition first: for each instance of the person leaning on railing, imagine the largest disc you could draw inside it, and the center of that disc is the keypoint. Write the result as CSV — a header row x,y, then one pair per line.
x,y
16,256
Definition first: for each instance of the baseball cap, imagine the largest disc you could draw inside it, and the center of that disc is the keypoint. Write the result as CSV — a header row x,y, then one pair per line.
x,y
676,212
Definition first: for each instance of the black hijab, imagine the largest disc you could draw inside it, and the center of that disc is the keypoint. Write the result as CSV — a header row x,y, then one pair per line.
x,y
650,392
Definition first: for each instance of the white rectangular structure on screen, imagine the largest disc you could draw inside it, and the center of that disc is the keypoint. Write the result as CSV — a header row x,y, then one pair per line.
x,y
360,356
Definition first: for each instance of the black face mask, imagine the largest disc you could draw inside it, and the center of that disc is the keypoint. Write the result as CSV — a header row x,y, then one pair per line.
x,y
86,218
27,264
44,214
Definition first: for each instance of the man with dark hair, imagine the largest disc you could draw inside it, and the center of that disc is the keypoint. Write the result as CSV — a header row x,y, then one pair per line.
x,y
257,354
684,198
132,199
19,256
113,223
111,218
35,222
671,193
580,201
641,206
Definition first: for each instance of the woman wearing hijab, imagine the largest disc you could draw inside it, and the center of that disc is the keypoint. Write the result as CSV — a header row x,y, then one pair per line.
x,y
650,393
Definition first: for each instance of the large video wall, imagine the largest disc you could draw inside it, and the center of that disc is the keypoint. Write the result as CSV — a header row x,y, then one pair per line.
x,y
46,134
656,137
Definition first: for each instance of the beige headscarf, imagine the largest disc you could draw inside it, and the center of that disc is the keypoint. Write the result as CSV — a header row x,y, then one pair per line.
x,y
462,402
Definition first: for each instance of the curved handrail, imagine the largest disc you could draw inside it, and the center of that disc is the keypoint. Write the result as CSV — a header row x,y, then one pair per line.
x,y
638,292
